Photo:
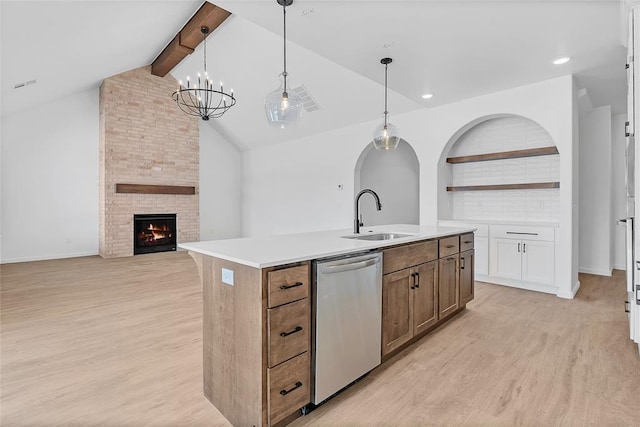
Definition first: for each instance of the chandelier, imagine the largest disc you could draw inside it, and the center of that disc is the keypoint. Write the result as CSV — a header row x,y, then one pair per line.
x,y
201,98
283,108
385,137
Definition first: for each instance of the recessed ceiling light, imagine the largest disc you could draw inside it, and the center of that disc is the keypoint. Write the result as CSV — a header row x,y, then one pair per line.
x,y
427,95
560,61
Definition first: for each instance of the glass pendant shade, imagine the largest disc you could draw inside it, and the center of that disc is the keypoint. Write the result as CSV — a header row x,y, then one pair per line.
x,y
282,108
385,137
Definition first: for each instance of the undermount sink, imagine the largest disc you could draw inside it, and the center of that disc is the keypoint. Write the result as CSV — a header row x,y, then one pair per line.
x,y
377,236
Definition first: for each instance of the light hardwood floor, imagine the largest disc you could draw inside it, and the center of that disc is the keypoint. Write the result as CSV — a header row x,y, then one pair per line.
x,y
89,341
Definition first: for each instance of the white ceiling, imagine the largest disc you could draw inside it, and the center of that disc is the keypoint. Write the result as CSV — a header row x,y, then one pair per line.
x,y
455,49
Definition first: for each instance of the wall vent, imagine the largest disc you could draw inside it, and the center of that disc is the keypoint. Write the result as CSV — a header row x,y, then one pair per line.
x,y
307,101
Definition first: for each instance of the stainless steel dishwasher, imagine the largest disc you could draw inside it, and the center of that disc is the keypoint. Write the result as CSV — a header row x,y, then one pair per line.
x,y
347,322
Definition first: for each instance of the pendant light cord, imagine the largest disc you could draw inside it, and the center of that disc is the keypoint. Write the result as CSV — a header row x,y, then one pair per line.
x,y
205,30
385,95
284,18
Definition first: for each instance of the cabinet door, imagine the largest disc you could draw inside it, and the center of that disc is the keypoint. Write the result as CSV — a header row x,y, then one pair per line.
x,y
466,277
397,309
481,256
448,285
506,259
538,261
425,296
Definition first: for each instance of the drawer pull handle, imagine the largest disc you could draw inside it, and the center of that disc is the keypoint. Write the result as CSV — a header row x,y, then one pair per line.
x,y
462,261
450,246
450,259
286,334
413,276
285,392
468,241
295,285
518,232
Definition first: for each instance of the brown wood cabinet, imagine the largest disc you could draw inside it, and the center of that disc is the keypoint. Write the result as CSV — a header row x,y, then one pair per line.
x,y
409,304
448,285
422,286
257,328
466,276
256,340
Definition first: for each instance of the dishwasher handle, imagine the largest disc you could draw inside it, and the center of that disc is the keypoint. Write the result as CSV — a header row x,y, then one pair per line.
x,y
331,269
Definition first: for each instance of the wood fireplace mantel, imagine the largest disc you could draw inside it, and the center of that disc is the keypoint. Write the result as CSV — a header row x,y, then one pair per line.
x,y
155,189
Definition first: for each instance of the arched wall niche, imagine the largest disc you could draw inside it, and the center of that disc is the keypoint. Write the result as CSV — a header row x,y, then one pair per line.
x,y
491,134
395,177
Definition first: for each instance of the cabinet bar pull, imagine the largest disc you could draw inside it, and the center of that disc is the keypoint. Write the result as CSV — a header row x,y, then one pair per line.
x,y
462,263
418,280
626,308
468,241
413,276
295,285
450,246
518,247
285,392
450,259
518,232
524,248
286,334
626,127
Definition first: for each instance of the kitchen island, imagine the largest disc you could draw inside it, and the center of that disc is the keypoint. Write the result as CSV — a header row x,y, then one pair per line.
x,y
257,308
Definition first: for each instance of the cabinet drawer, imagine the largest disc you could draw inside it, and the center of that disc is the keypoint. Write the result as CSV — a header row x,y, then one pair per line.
x,y
466,242
409,255
522,232
449,246
288,387
288,284
288,331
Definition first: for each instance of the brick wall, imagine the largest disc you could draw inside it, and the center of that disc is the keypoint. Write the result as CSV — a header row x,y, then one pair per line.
x,y
144,139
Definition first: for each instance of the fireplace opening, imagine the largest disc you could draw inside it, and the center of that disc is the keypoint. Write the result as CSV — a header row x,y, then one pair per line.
x,y
154,233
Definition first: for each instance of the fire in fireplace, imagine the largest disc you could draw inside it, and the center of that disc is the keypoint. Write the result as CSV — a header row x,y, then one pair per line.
x,y
154,233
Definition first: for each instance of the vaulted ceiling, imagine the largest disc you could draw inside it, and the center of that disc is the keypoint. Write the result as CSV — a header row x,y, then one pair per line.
x,y
454,49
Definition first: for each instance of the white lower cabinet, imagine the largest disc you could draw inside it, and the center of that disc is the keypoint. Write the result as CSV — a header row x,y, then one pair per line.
x,y
481,263
527,260
518,255
522,254
538,261
506,258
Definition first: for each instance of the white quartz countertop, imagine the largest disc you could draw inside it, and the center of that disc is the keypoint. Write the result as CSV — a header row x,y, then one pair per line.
x,y
269,251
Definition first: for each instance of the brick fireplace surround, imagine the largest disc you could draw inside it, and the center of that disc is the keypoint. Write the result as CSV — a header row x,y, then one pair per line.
x,y
145,139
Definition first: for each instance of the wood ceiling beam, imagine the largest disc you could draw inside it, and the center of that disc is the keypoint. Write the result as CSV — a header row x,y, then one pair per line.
x,y
188,38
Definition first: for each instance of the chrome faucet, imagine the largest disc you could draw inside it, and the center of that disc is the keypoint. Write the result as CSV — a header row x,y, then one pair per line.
x,y
356,222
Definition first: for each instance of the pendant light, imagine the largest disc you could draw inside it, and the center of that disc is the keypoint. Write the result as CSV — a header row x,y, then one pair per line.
x,y
201,98
282,107
385,137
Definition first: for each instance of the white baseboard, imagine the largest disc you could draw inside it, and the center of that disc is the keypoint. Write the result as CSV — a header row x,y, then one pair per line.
x,y
622,267
596,271
547,289
572,293
47,257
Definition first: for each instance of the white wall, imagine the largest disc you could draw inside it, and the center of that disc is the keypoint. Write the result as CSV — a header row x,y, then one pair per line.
x,y
395,177
220,186
618,193
50,180
595,192
292,187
